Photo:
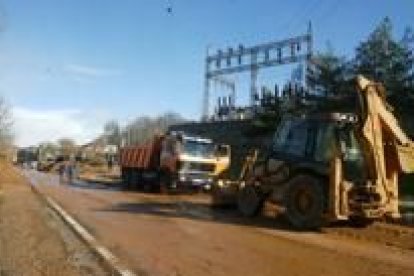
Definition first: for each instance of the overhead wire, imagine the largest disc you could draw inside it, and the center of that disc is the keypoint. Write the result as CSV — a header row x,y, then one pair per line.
x,y
305,15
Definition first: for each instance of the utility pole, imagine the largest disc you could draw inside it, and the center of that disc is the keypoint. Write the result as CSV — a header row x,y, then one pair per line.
x,y
206,95
309,57
253,79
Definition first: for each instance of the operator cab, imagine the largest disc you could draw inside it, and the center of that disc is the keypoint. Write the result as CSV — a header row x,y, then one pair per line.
x,y
310,142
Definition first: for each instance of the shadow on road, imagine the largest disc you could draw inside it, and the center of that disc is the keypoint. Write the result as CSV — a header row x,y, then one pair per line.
x,y
200,212
95,185
204,212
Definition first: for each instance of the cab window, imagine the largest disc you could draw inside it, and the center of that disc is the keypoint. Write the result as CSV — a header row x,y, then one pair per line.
x,y
292,138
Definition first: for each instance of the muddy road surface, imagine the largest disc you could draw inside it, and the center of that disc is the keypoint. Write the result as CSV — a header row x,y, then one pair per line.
x,y
33,240
181,235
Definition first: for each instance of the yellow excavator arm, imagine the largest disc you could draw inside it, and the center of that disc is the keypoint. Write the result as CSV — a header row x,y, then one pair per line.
x,y
387,144
387,150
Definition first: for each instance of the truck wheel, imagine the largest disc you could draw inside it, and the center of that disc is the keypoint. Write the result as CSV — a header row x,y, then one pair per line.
x,y
249,200
304,202
134,180
165,183
126,183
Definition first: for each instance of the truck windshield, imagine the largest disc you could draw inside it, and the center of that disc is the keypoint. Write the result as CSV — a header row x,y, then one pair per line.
x,y
196,148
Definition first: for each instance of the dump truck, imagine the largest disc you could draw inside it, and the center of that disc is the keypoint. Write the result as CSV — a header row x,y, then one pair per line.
x,y
329,167
172,161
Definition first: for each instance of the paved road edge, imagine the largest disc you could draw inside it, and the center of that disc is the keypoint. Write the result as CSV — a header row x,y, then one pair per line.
x,y
109,259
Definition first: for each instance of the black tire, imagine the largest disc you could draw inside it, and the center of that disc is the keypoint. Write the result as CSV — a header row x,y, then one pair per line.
x,y
249,201
136,180
126,183
139,181
305,202
360,222
168,183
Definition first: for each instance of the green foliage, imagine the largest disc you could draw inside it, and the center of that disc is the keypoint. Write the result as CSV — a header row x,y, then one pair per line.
x,y
385,60
380,58
329,74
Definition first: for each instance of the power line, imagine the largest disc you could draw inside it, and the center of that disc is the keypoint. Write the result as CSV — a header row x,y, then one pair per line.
x,y
305,15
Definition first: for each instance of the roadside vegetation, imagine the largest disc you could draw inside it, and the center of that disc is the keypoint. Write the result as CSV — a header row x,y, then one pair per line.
x,y
6,134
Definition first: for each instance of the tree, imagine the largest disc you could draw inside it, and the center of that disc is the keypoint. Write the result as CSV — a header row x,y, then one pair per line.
x,y
390,62
112,133
6,123
328,74
47,150
143,128
67,147
386,60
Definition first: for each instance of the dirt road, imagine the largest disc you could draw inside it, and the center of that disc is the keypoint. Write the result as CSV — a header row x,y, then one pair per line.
x,y
181,235
33,240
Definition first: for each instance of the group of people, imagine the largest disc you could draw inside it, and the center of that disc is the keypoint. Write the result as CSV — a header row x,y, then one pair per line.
x,y
67,172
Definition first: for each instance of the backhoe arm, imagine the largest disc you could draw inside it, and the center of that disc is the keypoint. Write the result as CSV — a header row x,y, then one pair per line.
x,y
382,130
387,149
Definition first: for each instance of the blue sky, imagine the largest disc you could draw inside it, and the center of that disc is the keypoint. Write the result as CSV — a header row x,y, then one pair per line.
x,y
67,66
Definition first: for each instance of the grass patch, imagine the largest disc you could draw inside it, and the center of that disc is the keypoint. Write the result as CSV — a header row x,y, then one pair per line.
x,y
407,184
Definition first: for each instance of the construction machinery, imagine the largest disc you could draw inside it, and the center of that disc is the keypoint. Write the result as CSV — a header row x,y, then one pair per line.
x,y
173,160
331,167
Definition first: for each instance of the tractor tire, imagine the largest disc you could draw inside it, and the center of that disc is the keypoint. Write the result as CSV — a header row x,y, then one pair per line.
x,y
359,222
249,201
305,202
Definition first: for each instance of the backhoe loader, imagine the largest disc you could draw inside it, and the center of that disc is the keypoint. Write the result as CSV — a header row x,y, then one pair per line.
x,y
335,166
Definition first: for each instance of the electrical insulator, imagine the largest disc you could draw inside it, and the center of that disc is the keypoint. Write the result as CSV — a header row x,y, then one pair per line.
x,y
267,55
219,57
240,53
229,55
